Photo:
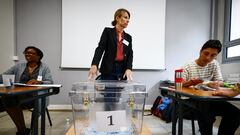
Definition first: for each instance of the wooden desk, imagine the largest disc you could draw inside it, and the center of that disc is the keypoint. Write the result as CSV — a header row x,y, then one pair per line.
x,y
46,91
179,97
195,94
145,131
20,90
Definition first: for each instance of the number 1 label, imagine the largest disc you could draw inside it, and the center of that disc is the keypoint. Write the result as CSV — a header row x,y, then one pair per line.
x,y
110,121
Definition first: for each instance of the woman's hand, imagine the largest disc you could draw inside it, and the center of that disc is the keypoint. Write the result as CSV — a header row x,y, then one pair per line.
x,y
92,72
34,81
128,74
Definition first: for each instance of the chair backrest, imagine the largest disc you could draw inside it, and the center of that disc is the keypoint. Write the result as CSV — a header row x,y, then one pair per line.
x,y
1,105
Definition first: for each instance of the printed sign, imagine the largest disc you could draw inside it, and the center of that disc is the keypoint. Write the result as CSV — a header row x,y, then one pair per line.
x,y
111,121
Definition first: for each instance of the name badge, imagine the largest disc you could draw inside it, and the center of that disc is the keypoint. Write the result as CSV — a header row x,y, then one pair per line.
x,y
39,78
125,42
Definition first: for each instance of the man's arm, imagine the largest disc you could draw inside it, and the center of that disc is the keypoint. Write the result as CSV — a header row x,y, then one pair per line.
x,y
192,82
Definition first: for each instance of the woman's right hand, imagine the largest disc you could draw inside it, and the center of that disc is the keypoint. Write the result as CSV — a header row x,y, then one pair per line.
x,y
93,71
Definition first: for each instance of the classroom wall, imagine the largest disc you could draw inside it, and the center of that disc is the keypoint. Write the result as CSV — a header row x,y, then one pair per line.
x,y
6,34
39,24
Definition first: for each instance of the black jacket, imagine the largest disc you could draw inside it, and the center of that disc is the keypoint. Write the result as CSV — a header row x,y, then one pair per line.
x,y
108,46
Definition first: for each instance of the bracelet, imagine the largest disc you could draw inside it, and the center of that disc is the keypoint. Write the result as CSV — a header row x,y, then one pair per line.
x,y
237,88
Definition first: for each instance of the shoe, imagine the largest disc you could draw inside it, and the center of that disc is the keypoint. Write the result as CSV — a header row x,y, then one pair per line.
x,y
25,132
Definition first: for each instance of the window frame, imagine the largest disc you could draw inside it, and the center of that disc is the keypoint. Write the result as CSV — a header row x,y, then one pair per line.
x,y
227,43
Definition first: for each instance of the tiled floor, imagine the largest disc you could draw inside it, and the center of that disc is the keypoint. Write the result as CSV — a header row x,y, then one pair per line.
x,y
59,121
63,119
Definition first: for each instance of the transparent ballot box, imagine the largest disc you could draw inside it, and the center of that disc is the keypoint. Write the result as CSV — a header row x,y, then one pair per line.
x,y
108,107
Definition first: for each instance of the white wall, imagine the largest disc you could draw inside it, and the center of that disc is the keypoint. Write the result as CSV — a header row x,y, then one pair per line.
x,y
187,28
6,34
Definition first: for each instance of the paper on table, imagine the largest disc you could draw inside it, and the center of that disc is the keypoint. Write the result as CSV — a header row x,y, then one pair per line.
x,y
40,85
238,96
201,86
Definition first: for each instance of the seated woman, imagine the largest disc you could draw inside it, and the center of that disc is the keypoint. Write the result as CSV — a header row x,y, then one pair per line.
x,y
31,72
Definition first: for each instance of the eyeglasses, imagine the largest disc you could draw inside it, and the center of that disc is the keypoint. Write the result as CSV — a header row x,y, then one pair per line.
x,y
30,53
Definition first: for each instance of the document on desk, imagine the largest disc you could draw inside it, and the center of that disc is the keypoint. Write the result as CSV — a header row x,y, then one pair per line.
x,y
203,87
39,85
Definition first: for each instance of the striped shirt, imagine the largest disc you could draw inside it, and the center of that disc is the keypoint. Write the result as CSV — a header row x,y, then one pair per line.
x,y
210,72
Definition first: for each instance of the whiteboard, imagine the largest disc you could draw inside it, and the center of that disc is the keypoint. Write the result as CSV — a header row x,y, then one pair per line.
x,y
83,22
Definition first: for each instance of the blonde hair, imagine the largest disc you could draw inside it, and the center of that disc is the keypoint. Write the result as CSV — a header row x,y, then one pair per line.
x,y
119,13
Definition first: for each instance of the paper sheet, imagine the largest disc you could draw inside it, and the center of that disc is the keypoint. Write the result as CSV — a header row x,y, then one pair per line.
x,y
39,85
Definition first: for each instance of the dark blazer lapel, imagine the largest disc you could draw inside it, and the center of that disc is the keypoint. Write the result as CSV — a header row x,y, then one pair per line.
x,y
124,45
114,36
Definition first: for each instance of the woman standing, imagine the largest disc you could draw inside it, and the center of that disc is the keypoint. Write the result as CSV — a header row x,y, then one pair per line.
x,y
116,45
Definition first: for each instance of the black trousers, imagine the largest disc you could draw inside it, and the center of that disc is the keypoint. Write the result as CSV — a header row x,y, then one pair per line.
x,y
116,74
209,110
112,95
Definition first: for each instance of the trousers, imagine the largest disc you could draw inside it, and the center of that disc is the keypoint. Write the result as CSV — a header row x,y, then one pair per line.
x,y
209,110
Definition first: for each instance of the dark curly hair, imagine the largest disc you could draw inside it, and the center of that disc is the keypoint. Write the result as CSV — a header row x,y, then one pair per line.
x,y
39,52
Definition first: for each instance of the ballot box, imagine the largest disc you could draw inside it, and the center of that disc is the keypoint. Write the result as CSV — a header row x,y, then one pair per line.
x,y
108,107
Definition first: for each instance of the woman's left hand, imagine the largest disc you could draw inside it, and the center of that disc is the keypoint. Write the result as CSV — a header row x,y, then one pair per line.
x,y
128,74
34,81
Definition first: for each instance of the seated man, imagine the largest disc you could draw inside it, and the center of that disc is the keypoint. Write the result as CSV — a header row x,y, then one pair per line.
x,y
31,72
206,68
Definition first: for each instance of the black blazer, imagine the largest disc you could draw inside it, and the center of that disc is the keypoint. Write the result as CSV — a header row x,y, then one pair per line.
x,y
108,46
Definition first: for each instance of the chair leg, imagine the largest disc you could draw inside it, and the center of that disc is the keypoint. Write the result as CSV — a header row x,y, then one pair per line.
x,y
193,127
32,121
49,119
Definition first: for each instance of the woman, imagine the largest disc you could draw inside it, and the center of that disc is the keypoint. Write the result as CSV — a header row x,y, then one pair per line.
x,y
116,45
31,72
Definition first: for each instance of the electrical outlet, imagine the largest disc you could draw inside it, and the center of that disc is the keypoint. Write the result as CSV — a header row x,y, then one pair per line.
x,y
15,58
